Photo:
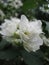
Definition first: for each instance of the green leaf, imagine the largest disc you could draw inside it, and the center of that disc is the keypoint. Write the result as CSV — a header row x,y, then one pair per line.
x,y
47,26
3,43
9,53
29,4
40,54
31,58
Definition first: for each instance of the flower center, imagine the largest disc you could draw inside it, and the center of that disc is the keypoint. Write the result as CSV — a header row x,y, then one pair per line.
x,y
26,33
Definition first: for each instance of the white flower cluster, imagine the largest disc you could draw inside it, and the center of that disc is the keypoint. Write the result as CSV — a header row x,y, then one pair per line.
x,y
13,3
23,30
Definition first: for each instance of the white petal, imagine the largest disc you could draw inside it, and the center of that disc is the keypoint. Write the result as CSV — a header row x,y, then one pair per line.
x,y
24,23
36,26
24,18
34,44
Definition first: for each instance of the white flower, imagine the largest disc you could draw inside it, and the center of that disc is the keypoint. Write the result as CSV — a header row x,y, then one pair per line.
x,y
10,28
14,3
17,3
30,33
